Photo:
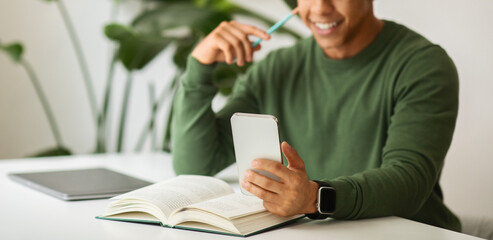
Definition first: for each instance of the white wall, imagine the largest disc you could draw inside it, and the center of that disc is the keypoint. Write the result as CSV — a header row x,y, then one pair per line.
x,y
39,26
463,28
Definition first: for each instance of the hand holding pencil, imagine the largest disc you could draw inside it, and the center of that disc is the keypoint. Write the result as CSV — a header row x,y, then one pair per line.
x,y
229,42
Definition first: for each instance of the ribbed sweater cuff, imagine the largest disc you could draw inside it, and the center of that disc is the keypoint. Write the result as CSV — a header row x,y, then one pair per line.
x,y
345,199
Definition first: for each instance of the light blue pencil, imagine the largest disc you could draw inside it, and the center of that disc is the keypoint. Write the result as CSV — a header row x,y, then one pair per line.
x,y
277,25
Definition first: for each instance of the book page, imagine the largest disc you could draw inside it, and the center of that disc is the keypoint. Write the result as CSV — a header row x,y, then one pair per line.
x,y
178,192
231,206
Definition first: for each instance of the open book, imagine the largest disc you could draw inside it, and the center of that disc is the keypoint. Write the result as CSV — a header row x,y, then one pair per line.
x,y
196,203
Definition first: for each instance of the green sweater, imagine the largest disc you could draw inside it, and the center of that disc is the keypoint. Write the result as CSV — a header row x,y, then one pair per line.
x,y
376,126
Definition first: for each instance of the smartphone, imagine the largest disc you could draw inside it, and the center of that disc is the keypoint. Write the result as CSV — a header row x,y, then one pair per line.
x,y
255,136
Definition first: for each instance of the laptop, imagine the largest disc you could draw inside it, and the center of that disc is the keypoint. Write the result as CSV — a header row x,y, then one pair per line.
x,y
80,184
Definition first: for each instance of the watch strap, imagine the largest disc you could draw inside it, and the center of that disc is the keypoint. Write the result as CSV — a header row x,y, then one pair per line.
x,y
317,215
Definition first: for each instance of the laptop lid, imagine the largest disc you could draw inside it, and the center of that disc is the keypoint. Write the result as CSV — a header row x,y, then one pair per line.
x,y
80,184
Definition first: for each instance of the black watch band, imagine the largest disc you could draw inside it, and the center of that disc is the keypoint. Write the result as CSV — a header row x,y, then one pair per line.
x,y
318,214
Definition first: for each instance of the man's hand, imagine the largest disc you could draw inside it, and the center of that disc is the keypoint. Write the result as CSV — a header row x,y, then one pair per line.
x,y
228,41
294,194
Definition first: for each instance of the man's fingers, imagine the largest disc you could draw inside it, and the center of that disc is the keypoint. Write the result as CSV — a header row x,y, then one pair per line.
x,y
251,30
256,48
228,41
243,37
259,192
235,44
273,167
275,208
225,48
294,160
263,181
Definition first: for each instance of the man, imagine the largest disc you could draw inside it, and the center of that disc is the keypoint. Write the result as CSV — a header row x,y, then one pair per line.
x,y
369,105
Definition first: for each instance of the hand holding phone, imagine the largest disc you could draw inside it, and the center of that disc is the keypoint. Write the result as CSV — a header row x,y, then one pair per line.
x,y
255,136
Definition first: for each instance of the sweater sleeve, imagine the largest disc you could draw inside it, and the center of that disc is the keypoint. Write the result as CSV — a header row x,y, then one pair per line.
x,y
425,109
201,138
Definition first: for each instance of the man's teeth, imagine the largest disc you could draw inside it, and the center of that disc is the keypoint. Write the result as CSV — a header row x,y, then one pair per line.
x,y
325,26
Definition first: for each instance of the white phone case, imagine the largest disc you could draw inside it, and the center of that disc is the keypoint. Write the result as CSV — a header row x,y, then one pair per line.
x,y
255,136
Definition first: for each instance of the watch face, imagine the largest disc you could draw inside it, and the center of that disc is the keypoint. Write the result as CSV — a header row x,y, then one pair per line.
x,y
327,198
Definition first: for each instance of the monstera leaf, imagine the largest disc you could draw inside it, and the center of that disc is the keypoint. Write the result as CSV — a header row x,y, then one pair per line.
x,y
14,51
200,20
135,50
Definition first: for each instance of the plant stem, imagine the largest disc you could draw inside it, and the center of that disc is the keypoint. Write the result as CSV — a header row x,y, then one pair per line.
x,y
115,10
80,57
126,97
156,106
103,123
150,124
44,102
152,93
167,132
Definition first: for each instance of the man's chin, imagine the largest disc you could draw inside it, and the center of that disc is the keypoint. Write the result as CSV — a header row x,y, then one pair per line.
x,y
329,45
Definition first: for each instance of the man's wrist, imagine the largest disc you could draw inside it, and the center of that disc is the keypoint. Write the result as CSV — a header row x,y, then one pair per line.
x,y
201,60
312,201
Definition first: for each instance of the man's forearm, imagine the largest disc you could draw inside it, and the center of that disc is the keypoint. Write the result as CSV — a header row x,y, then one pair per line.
x,y
196,136
398,188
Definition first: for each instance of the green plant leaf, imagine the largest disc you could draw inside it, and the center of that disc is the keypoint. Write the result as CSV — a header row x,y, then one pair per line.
x,y
117,32
168,1
291,3
175,15
141,42
135,50
220,5
14,50
56,151
183,49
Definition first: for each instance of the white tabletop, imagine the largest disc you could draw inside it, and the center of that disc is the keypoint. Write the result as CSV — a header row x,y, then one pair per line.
x,y
29,214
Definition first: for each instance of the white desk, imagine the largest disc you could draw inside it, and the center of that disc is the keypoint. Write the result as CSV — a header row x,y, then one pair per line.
x,y
29,214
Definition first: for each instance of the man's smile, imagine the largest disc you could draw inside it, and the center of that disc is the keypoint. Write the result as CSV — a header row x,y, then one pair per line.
x,y
325,27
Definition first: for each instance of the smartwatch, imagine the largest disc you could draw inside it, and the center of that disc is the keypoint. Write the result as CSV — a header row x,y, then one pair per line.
x,y
326,201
